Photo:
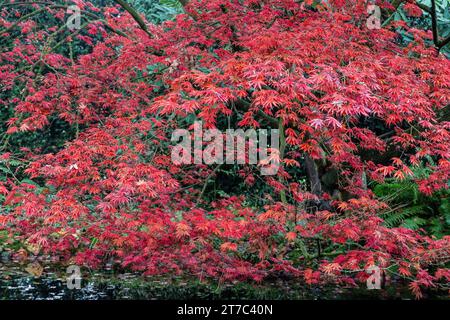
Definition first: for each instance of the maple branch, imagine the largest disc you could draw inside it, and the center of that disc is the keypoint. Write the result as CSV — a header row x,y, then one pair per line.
x,y
434,23
27,16
134,14
444,42
274,122
107,26
60,43
439,44
206,183
434,27
397,3
423,7
311,168
56,6
25,3
245,105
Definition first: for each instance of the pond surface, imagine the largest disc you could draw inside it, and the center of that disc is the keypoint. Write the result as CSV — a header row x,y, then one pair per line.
x,y
39,281
18,283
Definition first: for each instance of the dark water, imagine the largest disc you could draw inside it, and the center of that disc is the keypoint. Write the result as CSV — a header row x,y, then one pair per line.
x,y
16,282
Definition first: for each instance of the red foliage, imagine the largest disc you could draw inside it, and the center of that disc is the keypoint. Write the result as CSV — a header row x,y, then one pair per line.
x,y
320,71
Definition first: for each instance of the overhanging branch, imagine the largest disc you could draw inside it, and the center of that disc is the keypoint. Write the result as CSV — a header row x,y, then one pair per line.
x,y
434,27
438,43
134,14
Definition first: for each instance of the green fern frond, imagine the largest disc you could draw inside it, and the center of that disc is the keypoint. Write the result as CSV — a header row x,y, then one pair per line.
x,y
397,217
414,223
411,208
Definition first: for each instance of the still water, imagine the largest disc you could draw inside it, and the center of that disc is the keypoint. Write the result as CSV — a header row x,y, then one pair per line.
x,y
49,282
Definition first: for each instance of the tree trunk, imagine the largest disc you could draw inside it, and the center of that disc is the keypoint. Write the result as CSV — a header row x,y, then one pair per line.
x,y
313,175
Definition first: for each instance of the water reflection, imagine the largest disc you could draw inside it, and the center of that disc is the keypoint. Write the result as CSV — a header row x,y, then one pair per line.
x,y
51,284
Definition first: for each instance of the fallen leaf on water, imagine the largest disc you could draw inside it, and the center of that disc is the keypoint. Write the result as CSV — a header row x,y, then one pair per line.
x,y
34,269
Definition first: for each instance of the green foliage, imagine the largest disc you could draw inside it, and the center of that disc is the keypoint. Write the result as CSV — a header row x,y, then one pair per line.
x,y
424,22
413,210
157,11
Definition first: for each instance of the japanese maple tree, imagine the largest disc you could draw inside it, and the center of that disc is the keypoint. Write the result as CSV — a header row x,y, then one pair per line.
x,y
349,100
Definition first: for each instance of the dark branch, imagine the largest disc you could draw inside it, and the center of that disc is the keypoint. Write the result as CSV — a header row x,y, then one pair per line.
x,y
434,27
134,14
439,44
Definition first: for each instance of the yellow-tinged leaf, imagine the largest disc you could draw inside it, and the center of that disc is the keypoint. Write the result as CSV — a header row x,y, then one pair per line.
x,y
35,269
